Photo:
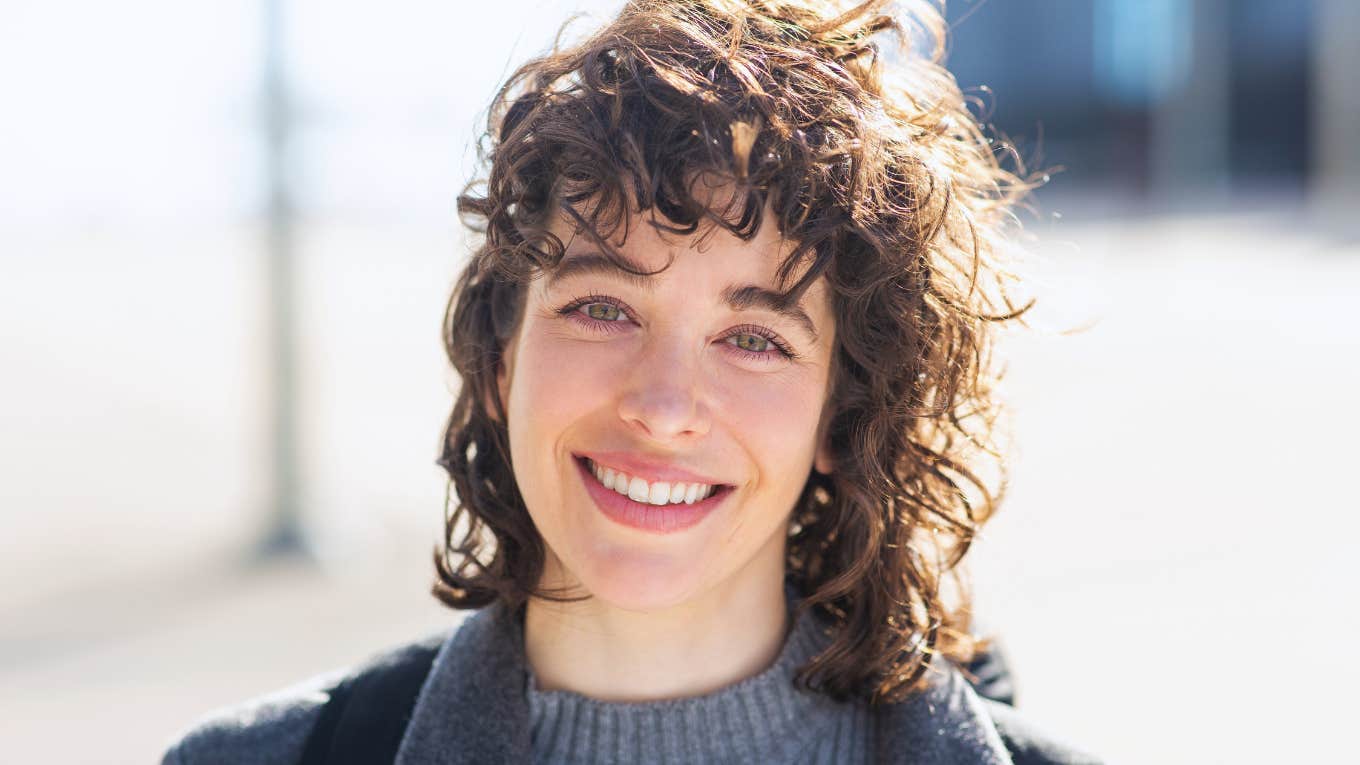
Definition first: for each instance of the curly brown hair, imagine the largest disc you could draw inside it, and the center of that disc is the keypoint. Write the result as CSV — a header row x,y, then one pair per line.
x,y
841,121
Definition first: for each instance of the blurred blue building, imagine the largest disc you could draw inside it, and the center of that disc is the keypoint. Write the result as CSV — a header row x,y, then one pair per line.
x,y
1163,95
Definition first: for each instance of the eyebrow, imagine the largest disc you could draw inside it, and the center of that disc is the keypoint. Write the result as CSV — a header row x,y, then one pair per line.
x,y
737,298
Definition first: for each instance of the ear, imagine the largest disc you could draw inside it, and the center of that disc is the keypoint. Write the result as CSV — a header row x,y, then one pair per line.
x,y
504,373
822,460
489,399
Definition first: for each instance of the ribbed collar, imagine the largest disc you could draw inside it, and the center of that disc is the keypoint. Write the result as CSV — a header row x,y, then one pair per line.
x,y
762,718
475,706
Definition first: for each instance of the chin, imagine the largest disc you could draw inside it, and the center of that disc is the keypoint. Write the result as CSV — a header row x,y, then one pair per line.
x,y
633,579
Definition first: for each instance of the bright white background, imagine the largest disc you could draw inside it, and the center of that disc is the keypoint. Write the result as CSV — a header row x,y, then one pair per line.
x,y
1170,574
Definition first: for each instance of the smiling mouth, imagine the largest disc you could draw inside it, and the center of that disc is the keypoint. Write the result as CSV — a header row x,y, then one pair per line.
x,y
660,493
628,499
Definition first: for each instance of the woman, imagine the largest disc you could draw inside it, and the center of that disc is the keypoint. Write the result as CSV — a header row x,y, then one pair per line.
x,y
725,419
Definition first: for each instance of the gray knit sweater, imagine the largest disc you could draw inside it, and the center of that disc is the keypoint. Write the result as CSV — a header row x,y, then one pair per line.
x,y
479,705
761,719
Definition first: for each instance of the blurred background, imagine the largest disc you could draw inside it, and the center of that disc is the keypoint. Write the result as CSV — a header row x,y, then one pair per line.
x,y
227,234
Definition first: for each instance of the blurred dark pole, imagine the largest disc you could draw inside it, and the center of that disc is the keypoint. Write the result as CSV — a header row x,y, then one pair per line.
x,y
1336,131
1189,128
283,533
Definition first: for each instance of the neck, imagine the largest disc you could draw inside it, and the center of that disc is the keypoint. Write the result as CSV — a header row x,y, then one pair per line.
x,y
731,632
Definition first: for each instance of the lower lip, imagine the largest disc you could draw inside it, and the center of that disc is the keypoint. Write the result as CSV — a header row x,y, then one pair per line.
x,y
657,519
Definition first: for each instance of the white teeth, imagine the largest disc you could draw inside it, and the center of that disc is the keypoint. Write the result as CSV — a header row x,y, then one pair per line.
x,y
638,491
608,477
658,493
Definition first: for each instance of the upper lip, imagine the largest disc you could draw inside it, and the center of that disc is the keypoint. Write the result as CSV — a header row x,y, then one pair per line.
x,y
647,468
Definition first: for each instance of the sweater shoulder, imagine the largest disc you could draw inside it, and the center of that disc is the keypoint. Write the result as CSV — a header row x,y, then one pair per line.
x,y
271,729
948,722
1028,744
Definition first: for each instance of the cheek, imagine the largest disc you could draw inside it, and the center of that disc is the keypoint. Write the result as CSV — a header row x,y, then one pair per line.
x,y
555,384
556,371
775,419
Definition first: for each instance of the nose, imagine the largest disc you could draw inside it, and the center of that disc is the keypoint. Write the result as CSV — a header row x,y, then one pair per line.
x,y
663,400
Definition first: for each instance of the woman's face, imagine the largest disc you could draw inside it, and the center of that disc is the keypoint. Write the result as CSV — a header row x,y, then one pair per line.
x,y
691,376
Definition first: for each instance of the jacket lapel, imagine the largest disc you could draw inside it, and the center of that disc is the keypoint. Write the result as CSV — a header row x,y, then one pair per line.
x,y
472,708
947,723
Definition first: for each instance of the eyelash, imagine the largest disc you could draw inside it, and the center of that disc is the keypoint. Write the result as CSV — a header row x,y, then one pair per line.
x,y
572,312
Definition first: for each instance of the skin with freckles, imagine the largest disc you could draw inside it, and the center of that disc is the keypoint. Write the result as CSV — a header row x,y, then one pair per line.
x,y
669,370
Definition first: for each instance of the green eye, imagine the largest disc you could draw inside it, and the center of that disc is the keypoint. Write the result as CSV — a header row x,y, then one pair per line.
x,y
603,311
752,343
